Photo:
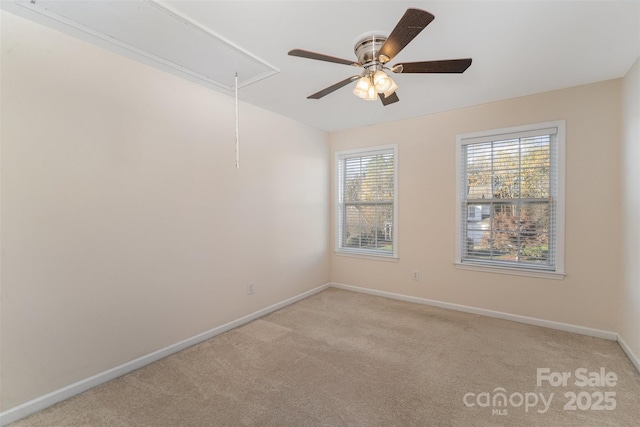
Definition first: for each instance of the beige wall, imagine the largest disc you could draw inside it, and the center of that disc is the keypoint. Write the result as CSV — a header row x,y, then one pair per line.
x,y
125,225
630,302
588,294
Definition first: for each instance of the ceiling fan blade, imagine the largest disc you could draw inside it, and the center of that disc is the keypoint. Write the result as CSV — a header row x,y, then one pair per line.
x,y
412,22
332,88
386,100
443,66
320,57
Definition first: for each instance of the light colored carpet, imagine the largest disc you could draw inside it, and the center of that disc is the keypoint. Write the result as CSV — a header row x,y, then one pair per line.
x,y
342,358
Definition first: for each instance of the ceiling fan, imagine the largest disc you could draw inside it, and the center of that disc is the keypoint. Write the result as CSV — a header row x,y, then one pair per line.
x,y
374,51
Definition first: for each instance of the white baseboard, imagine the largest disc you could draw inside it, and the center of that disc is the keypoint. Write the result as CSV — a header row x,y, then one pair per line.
x,y
635,360
42,402
490,313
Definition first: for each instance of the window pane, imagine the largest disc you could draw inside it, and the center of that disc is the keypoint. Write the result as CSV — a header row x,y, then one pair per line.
x,y
535,167
506,184
369,226
535,182
505,245
479,171
506,154
535,233
478,240
353,176
517,233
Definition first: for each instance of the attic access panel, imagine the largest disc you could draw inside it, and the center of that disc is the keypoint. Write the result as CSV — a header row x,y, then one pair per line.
x,y
150,31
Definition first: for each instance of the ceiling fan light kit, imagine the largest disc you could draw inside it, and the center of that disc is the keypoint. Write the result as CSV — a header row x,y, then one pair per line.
x,y
374,51
365,89
371,84
384,83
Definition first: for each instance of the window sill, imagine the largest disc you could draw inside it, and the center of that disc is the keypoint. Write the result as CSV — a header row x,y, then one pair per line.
x,y
541,274
386,258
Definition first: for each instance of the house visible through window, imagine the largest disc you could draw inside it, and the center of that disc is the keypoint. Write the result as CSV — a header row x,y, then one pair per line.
x,y
366,201
510,189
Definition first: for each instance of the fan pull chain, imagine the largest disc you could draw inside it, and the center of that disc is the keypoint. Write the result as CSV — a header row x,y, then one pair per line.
x,y
237,128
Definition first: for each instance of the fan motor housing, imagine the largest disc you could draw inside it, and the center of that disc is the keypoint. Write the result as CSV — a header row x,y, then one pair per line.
x,y
367,48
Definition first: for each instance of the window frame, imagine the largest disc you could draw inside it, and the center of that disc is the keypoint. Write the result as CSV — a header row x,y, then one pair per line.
x,y
360,252
559,202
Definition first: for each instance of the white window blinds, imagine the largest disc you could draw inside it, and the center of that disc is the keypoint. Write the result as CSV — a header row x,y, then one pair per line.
x,y
509,199
366,205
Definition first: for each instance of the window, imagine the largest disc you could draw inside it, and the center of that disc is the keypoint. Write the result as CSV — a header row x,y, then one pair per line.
x,y
366,202
510,215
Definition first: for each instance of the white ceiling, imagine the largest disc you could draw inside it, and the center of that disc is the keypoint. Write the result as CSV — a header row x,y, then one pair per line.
x,y
518,48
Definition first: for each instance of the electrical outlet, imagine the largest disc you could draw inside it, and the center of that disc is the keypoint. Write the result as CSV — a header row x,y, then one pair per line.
x,y
250,288
416,275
